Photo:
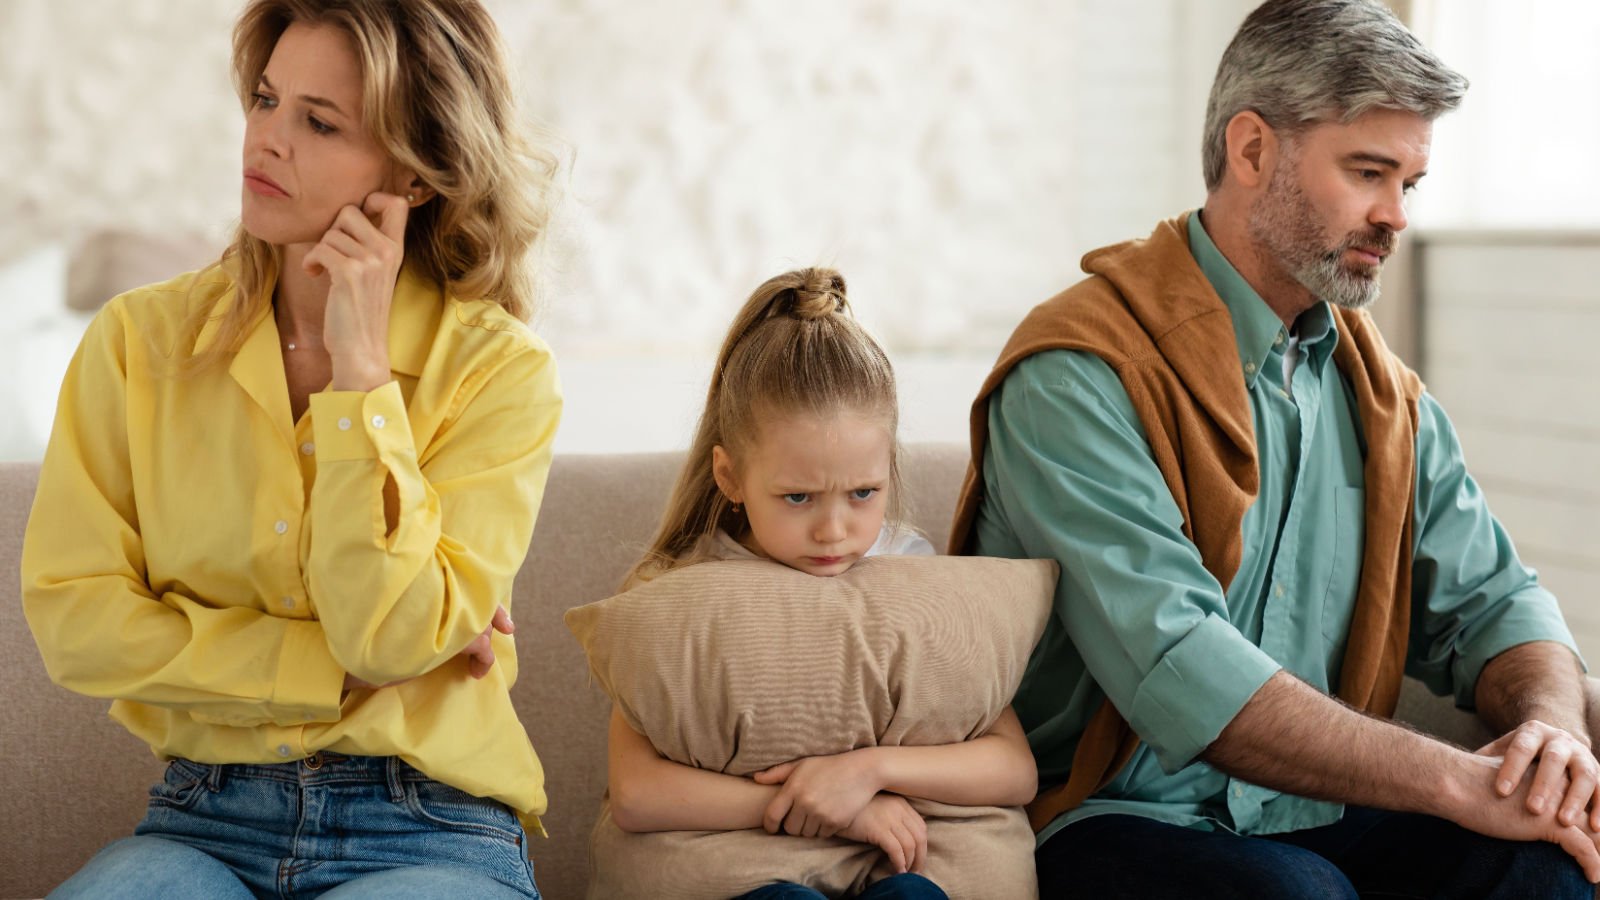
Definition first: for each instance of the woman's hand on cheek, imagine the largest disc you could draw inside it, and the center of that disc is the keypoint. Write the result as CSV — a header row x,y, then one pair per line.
x,y
362,262
821,795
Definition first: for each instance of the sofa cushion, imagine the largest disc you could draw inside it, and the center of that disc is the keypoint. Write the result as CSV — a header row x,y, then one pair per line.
x,y
739,665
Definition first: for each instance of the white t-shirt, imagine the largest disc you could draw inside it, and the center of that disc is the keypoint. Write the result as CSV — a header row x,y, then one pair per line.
x,y
892,541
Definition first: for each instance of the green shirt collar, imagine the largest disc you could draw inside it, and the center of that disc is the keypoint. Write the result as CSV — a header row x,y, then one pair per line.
x,y
1256,328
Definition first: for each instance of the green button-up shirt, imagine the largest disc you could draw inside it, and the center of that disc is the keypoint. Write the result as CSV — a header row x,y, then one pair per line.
x,y
1068,475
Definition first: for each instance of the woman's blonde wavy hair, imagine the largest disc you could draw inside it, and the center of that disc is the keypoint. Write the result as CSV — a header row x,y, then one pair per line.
x,y
794,348
437,95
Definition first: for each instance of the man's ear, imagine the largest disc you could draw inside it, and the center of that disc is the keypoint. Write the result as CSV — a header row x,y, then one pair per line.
x,y
1253,149
723,471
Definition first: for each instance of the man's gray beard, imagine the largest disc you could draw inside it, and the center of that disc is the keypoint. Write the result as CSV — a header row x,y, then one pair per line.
x,y
1283,222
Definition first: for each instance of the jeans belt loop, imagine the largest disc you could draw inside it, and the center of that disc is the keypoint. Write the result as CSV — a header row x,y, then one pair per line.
x,y
397,787
216,776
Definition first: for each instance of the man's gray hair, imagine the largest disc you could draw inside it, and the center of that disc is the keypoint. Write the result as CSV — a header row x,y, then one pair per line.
x,y
1301,62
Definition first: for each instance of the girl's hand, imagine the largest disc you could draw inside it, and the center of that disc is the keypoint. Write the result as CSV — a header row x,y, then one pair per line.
x,y
362,260
479,654
890,824
821,795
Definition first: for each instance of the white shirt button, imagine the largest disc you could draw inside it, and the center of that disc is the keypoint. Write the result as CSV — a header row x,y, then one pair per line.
x,y
281,527
1249,367
283,749
1278,341
378,421
308,448
344,424
288,603
1238,792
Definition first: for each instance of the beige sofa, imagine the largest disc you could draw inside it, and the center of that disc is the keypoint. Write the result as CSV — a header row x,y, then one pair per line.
x,y
75,780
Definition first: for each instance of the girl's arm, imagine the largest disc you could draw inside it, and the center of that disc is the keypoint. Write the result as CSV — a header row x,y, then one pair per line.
x,y
822,795
651,793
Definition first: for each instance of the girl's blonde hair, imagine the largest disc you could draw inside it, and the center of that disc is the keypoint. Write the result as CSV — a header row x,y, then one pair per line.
x,y
794,348
437,96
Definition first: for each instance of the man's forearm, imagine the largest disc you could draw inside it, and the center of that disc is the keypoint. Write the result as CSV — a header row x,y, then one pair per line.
x,y
1293,738
1540,681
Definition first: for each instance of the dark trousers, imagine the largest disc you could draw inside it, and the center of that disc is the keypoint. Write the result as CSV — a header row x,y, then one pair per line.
x,y
1368,854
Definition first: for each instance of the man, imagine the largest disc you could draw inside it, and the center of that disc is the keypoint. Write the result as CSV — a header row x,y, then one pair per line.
x,y
1255,505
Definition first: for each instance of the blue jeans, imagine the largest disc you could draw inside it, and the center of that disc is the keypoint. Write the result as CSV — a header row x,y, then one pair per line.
x,y
895,887
1368,853
339,827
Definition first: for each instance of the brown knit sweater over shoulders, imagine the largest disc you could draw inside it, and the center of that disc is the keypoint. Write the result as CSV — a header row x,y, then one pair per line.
x,y
1148,310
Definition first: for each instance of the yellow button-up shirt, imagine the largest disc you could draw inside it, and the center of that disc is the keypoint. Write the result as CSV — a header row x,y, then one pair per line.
x,y
216,567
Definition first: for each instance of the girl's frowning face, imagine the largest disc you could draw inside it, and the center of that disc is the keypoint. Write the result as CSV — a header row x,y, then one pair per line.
x,y
814,488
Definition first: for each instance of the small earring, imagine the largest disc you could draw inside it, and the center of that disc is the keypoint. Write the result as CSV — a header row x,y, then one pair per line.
x,y
738,509
411,198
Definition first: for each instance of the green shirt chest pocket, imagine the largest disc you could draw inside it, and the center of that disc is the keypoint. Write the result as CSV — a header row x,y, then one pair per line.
x,y
1344,575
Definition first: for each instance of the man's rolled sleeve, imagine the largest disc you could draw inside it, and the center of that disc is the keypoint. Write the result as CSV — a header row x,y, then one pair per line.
x,y
1069,468
1525,617
1196,689
1472,598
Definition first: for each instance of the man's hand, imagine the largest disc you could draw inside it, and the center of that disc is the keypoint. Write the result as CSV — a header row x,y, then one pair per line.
x,y
1567,773
479,654
1483,809
890,824
821,795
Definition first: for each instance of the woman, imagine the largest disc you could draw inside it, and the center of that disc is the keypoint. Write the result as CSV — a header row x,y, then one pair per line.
x,y
285,496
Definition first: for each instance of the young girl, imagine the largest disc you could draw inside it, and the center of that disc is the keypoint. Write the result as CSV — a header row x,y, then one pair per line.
x,y
795,461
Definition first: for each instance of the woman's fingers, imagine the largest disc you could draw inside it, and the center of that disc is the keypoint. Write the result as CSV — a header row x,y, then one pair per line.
x,y
342,242
391,212
318,259
502,621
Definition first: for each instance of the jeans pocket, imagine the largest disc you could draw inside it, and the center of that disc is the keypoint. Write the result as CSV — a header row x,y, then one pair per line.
x,y
181,786
441,806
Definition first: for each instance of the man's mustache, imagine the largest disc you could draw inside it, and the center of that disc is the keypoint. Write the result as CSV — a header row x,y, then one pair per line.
x,y
1379,240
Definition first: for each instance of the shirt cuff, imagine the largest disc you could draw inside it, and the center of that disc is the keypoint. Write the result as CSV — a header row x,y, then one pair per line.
x,y
1196,689
1529,615
310,682
357,425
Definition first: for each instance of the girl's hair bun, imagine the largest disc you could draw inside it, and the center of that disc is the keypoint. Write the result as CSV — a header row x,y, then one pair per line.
x,y
816,294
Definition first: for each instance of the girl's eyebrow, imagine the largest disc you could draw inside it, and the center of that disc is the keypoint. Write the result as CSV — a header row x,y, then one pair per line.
x,y
308,98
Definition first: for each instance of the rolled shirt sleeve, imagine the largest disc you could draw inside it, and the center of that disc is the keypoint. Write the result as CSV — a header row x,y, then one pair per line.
x,y
1472,598
1069,466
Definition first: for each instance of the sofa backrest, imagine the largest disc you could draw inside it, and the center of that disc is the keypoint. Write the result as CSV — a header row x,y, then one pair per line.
x,y
76,781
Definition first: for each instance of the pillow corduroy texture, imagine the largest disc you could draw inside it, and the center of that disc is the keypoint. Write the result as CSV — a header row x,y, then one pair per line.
x,y
739,665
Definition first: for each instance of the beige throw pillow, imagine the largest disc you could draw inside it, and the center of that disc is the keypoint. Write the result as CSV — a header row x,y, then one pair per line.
x,y
739,665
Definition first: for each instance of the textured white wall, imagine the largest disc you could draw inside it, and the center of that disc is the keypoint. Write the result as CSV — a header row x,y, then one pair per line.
x,y
952,158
